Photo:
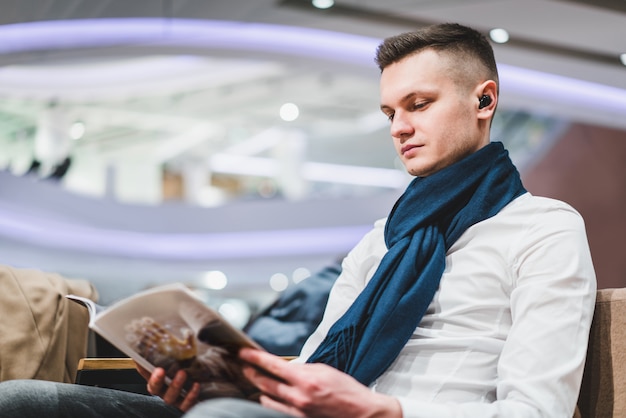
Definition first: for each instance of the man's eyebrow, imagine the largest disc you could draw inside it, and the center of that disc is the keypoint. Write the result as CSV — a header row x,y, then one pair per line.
x,y
406,98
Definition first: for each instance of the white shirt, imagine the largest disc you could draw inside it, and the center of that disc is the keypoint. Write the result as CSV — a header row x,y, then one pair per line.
x,y
506,333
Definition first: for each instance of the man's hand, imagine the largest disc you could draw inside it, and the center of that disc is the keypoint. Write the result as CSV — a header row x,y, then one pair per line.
x,y
172,394
313,390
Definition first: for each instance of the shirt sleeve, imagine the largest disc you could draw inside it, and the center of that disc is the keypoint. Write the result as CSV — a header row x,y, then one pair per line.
x,y
552,302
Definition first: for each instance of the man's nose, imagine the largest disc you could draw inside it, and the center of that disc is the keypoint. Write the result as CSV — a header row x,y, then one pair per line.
x,y
400,126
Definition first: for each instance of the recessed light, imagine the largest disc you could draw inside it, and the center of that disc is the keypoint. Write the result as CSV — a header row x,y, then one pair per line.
x,y
279,282
323,4
300,274
499,35
215,280
77,130
289,112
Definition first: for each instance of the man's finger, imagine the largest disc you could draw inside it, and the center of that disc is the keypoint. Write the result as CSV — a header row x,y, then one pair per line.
x,y
156,381
277,389
173,392
191,398
267,362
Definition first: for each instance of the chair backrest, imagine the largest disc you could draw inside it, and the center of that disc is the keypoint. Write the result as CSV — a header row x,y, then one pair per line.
x,y
603,390
43,334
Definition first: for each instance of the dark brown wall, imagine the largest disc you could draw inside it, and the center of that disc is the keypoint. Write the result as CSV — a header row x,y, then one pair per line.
x,y
587,169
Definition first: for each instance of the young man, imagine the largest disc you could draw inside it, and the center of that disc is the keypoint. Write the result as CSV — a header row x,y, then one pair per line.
x,y
473,298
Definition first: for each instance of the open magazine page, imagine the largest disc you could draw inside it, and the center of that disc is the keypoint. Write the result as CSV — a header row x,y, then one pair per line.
x,y
91,306
169,327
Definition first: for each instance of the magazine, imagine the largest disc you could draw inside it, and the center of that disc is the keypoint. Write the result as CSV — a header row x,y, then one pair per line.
x,y
169,327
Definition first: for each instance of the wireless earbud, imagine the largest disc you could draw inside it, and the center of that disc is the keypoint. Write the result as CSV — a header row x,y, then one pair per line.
x,y
484,101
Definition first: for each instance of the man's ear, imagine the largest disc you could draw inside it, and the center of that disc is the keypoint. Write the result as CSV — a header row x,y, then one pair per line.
x,y
486,99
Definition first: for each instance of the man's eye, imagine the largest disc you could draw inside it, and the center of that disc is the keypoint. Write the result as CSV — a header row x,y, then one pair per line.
x,y
420,105
390,117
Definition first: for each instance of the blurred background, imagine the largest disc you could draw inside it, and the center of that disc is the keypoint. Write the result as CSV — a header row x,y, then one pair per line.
x,y
237,145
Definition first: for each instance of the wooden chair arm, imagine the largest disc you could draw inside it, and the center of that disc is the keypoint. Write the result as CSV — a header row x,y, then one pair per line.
x,y
113,373
106,363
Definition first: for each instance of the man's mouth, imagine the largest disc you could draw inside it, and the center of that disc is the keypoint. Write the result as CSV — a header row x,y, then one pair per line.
x,y
408,148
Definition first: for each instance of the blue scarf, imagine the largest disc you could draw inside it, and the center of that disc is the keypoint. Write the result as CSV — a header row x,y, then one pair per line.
x,y
428,218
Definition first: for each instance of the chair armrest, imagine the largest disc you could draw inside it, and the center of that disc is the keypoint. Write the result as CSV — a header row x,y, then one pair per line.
x,y
98,363
115,373
112,373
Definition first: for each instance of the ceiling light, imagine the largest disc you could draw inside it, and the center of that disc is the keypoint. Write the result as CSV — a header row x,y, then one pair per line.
x,y
312,171
622,58
300,274
323,4
77,130
279,282
289,112
236,312
499,35
215,280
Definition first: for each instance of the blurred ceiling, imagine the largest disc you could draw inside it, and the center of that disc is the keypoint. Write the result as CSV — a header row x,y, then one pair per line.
x,y
183,87
179,100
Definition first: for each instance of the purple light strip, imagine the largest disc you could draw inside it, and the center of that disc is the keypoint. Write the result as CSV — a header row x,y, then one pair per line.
x,y
80,238
207,34
564,89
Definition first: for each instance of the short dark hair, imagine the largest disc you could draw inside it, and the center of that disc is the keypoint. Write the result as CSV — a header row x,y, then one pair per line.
x,y
461,42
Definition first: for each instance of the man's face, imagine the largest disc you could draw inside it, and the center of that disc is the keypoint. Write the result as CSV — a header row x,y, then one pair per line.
x,y
434,121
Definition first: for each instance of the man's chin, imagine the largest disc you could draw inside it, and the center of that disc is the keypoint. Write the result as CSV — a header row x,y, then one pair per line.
x,y
420,171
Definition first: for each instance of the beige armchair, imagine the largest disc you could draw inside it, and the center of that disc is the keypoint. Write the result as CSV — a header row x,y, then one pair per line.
x,y
43,334
603,391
